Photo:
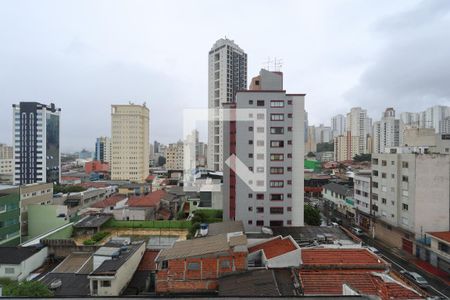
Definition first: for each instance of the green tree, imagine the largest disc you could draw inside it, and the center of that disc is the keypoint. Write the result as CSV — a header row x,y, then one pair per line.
x,y
58,188
25,289
322,147
362,157
312,215
310,154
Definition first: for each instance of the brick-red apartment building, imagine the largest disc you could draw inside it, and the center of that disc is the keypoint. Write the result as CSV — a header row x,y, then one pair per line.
x,y
195,265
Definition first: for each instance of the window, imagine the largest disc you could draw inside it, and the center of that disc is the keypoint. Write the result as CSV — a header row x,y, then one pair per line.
x,y
276,130
276,170
260,103
250,208
289,128
289,169
276,157
374,196
193,266
276,210
276,183
250,102
405,206
277,103
443,247
289,195
277,117
259,196
375,161
225,264
383,200
375,184
250,222
260,129
405,178
260,156
405,164
164,264
260,223
260,143
276,197
250,128
289,102
106,283
250,142
289,155
260,116
383,175
392,162
290,116
289,142
289,182
9,270
250,195
260,169
250,155
260,209
392,176
276,144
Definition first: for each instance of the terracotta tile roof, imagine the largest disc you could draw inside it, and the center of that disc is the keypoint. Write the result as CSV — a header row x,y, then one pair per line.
x,y
150,177
111,201
330,282
69,178
164,213
148,200
443,235
148,261
341,258
275,247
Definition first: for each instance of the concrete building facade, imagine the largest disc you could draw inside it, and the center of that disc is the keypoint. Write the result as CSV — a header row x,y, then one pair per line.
x,y
360,125
281,204
36,143
388,132
174,154
227,74
338,125
130,142
402,199
103,149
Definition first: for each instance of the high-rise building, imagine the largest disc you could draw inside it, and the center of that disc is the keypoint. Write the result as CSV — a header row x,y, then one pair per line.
x,y
103,149
410,119
227,74
434,115
444,125
360,125
6,164
174,154
274,153
130,142
345,147
388,132
338,125
323,134
36,143
311,145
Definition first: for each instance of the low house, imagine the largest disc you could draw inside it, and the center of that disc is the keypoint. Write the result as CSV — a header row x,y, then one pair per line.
x,y
16,263
143,280
435,250
140,208
337,272
110,204
341,198
194,266
114,266
277,252
91,224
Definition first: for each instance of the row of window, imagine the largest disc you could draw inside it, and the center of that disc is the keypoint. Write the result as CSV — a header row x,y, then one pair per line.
x,y
272,223
272,197
405,164
273,103
273,130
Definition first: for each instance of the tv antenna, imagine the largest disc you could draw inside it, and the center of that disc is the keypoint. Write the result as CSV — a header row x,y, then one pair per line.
x,y
274,64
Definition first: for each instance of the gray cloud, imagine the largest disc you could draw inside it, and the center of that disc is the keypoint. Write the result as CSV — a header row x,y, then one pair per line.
x,y
413,70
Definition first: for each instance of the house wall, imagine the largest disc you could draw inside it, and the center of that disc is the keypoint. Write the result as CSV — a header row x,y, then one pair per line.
x,y
178,279
134,214
289,259
44,218
122,277
22,270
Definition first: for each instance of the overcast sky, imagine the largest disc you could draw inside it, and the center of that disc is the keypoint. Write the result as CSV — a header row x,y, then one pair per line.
x,y
86,55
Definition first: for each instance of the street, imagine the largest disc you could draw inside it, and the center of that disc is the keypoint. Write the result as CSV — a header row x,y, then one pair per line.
x,y
436,288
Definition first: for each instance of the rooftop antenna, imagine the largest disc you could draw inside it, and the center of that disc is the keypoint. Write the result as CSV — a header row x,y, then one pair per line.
x,y
273,65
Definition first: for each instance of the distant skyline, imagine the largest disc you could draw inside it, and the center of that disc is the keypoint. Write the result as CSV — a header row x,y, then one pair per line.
x,y
86,55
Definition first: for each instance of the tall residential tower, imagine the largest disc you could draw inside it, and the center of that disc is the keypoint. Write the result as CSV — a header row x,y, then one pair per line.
x,y
227,74
130,146
36,143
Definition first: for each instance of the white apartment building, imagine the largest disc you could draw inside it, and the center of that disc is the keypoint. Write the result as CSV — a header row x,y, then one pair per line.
x,y
323,134
360,125
174,154
338,125
410,194
227,74
388,132
362,196
434,115
410,119
36,143
130,142
274,153
310,145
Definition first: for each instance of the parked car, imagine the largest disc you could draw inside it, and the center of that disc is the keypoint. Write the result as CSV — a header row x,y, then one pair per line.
x,y
373,250
416,278
357,231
